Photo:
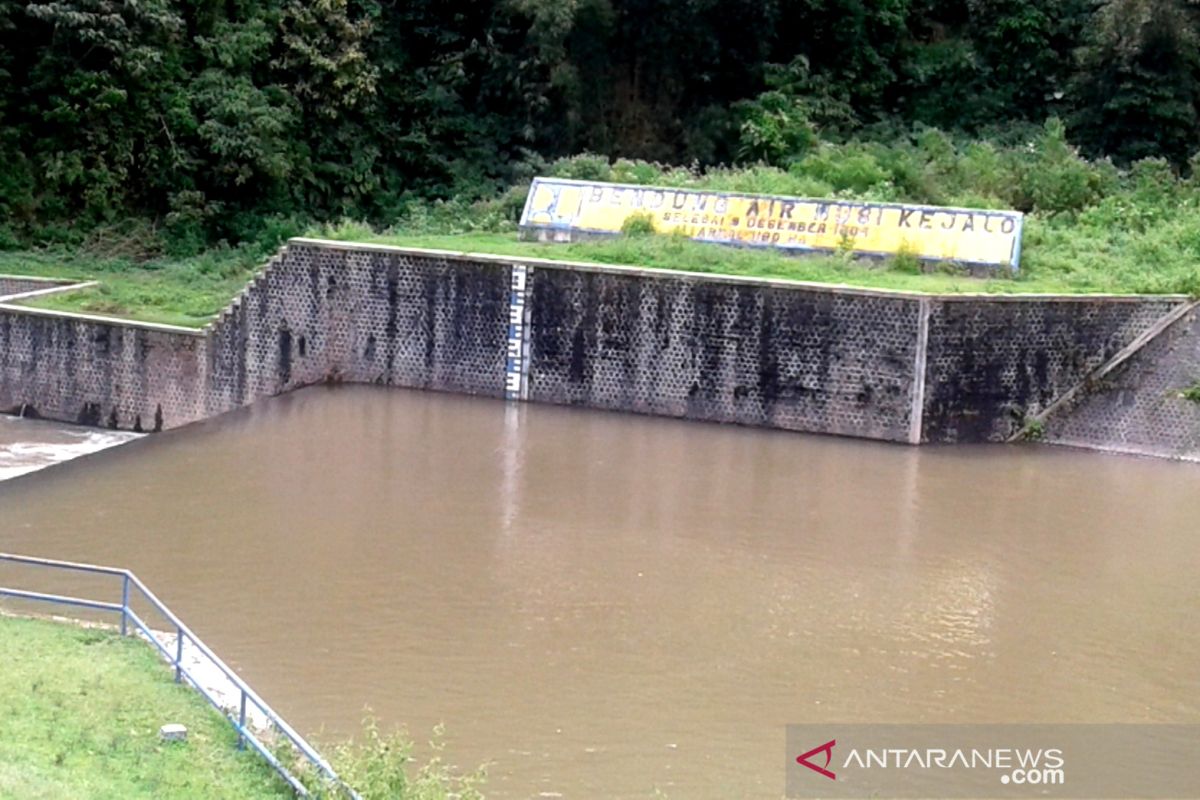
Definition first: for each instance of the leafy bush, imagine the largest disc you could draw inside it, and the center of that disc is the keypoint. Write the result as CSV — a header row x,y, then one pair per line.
x,y
785,122
851,168
905,261
1058,179
583,167
638,225
380,766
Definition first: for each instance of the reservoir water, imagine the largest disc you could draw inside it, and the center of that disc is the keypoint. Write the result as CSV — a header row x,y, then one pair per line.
x,y
606,605
27,445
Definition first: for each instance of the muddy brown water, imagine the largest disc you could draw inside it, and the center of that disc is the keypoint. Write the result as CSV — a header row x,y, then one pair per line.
x,y
28,445
604,605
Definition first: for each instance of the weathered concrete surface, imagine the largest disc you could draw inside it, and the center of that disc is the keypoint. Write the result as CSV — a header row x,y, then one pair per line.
x,y
340,314
994,361
895,366
1138,407
757,354
104,373
20,284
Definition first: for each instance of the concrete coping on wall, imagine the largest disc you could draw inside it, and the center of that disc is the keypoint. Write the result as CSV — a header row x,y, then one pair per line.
x,y
40,279
56,288
120,322
45,286
832,288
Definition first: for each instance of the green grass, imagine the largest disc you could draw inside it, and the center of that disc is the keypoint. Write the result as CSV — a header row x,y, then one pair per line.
x,y
676,253
81,713
190,292
1089,226
1051,272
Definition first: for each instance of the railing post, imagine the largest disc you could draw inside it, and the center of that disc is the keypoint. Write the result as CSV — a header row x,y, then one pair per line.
x,y
178,654
128,615
124,604
242,723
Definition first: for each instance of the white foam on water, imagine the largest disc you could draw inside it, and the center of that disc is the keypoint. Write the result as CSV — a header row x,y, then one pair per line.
x,y
28,445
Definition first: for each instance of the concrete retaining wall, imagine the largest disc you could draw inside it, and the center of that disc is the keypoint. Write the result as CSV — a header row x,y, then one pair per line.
x,y
323,313
20,284
883,365
1139,406
752,353
100,372
994,361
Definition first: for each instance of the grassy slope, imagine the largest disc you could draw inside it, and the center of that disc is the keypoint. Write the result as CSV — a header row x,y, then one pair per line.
x,y
1060,255
81,712
1057,259
675,253
177,292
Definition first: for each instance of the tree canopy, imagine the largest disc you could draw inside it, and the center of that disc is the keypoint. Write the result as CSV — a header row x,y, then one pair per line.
x,y
211,118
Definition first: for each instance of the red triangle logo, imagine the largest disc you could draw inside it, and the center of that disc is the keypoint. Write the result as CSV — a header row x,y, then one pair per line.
x,y
827,749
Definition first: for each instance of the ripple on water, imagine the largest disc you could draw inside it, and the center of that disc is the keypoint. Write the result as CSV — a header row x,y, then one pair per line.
x,y
27,445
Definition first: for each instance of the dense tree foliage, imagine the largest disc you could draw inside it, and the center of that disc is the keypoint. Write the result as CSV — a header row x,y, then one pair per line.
x,y
216,119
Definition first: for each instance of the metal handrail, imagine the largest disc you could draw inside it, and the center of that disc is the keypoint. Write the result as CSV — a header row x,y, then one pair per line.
x,y
184,633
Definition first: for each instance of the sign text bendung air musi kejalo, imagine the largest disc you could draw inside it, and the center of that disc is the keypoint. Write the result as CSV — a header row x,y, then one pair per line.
x,y
933,233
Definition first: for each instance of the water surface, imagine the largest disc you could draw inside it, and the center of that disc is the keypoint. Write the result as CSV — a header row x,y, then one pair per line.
x,y
603,605
27,445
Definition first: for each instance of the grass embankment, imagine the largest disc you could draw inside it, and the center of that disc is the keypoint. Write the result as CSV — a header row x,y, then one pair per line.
x,y
675,253
190,292
81,709
81,713
184,291
1089,226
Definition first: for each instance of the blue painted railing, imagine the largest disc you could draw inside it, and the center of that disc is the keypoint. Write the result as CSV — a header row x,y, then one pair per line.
x,y
133,588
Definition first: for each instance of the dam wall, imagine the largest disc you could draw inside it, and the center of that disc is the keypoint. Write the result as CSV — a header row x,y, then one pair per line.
x,y
100,372
1143,405
893,366
335,314
754,353
993,362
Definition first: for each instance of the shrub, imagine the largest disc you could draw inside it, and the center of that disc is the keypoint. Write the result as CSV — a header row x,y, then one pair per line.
x,y
640,224
639,172
380,766
846,168
582,167
905,261
1057,179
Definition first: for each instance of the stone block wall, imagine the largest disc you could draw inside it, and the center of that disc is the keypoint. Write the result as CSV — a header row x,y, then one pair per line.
x,y
992,361
1139,407
19,284
882,365
100,372
362,316
732,351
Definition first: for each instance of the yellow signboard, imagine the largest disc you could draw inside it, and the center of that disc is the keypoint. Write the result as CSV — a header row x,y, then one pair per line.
x,y
557,209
